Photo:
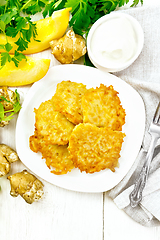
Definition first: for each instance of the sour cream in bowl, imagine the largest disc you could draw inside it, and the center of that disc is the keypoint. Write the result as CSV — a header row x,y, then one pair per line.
x,y
115,41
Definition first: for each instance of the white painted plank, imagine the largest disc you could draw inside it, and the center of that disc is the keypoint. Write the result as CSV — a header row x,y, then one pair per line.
x,y
117,224
61,214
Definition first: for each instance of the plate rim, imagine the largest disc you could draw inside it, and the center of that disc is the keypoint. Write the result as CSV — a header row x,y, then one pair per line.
x,y
34,89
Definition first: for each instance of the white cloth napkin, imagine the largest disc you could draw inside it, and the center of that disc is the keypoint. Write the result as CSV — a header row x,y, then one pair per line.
x,y
144,76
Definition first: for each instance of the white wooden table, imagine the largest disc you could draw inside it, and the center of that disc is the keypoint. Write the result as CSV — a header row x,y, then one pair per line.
x,y
63,214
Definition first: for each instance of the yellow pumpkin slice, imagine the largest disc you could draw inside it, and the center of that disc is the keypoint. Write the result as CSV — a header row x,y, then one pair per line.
x,y
27,72
50,28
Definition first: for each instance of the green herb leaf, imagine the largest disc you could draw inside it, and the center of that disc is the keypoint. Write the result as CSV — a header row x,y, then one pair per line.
x,y
11,32
3,98
87,61
22,44
18,57
2,26
8,47
17,105
5,57
123,2
8,118
135,3
109,6
86,12
21,23
7,17
72,3
2,46
1,112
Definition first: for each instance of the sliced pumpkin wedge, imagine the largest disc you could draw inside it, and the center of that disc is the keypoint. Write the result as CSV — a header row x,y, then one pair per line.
x,y
26,73
50,28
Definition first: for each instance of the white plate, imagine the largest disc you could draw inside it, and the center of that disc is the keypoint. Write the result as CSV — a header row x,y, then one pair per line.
x,y
134,128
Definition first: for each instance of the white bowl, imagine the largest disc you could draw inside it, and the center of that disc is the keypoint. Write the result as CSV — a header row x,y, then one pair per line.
x,y
115,41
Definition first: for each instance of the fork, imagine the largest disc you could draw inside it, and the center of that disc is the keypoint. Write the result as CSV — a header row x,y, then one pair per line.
x,y
154,130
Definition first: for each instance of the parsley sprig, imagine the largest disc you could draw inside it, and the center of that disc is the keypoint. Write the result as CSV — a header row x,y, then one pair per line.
x,y
86,12
16,14
7,115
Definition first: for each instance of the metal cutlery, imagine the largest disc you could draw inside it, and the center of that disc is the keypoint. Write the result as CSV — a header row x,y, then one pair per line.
x,y
154,130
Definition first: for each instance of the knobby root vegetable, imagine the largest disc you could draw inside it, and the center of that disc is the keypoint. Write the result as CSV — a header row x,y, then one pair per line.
x,y
7,156
68,48
26,185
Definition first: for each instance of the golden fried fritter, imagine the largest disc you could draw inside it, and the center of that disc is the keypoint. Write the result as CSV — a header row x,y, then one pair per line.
x,y
94,144
52,128
93,149
52,125
102,107
57,158
67,100
36,142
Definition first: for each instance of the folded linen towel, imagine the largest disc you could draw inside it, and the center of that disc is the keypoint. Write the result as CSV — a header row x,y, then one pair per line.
x,y
144,76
